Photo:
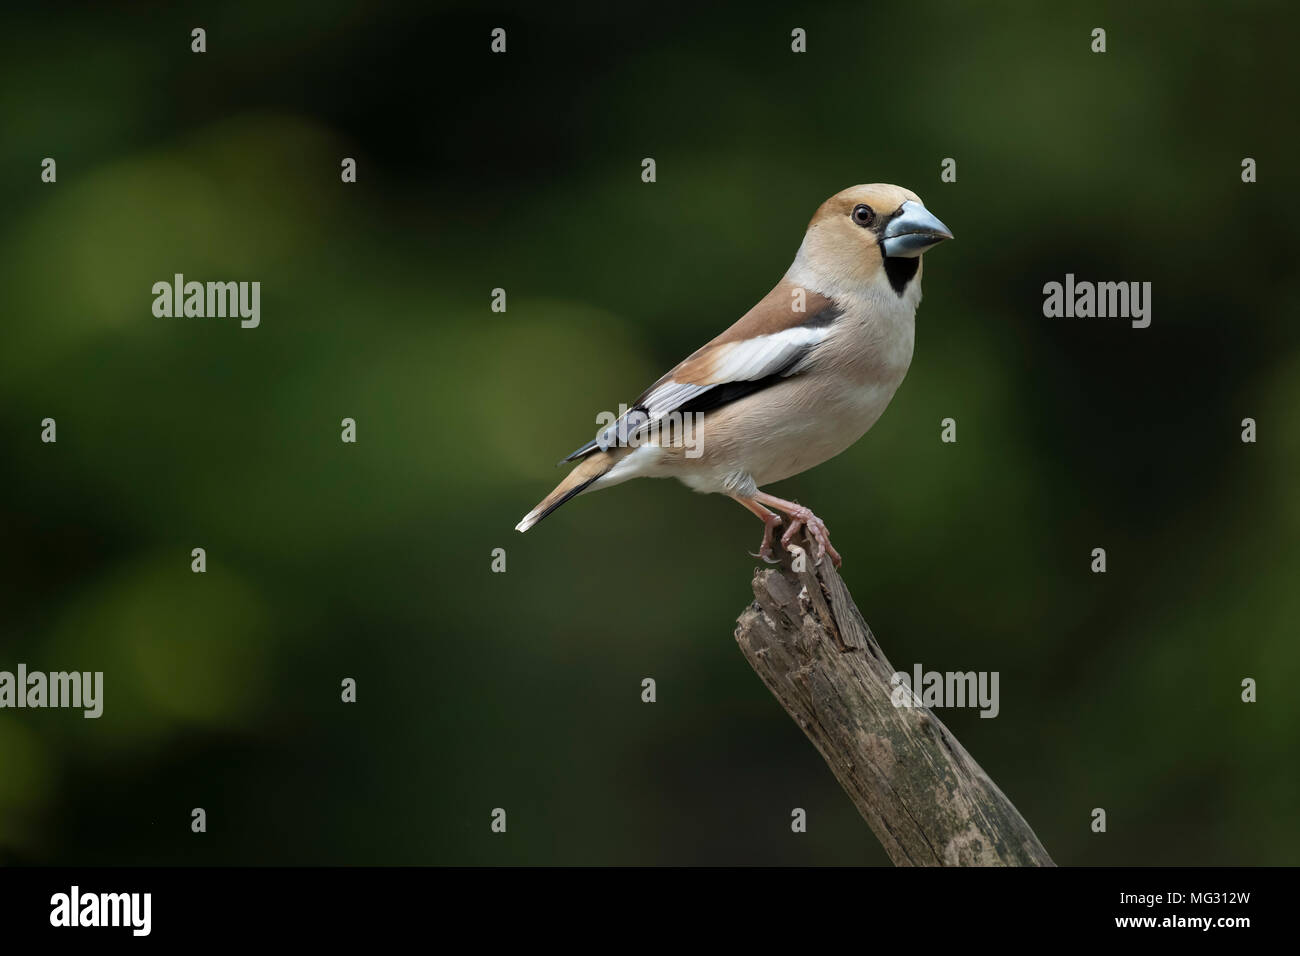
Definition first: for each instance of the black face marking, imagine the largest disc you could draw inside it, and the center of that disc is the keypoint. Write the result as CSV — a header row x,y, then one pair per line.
x,y
882,223
900,270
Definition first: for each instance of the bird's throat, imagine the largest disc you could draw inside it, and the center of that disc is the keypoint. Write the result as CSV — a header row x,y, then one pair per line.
x,y
901,270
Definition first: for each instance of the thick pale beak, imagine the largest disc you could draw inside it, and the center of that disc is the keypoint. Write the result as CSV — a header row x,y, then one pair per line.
x,y
913,230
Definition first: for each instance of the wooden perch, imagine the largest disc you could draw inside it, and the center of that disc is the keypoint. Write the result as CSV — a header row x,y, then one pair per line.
x,y
925,798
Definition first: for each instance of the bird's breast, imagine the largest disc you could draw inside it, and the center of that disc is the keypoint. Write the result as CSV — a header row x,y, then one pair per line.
x,y
843,394
830,402
868,350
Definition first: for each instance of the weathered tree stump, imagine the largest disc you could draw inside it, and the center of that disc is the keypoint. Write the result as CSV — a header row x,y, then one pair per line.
x,y
925,798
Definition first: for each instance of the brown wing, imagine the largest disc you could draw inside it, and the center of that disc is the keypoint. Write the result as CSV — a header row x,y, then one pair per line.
x,y
766,344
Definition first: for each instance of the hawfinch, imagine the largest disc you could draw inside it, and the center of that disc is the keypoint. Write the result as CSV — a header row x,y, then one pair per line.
x,y
798,379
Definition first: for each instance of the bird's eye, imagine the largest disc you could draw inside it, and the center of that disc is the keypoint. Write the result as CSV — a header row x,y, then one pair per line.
x,y
863,214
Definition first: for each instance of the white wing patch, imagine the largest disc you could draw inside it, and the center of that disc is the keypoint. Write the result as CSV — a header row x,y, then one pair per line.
x,y
745,361
781,353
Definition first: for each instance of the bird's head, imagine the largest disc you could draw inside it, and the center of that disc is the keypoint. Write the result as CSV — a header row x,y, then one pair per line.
x,y
867,235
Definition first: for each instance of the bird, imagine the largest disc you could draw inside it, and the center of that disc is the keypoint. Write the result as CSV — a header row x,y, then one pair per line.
x,y
795,381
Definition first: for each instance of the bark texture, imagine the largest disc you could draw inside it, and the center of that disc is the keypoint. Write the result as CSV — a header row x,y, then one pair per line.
x,y
925,798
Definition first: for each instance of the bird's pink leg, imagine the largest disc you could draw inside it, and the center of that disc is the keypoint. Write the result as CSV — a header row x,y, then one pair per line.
x,y
801,517
770,521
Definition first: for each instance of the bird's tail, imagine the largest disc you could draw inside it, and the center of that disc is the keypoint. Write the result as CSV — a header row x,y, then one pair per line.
x,y
591,468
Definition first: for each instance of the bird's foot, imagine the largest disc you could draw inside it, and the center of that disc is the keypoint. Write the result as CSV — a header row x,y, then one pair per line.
x,y
801,517
766,551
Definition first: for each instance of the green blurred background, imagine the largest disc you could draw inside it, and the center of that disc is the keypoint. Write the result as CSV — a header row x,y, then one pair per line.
x,y
522,690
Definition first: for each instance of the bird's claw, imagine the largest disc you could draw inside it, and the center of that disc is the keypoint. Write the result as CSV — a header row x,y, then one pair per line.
x,y
816,529
765,550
